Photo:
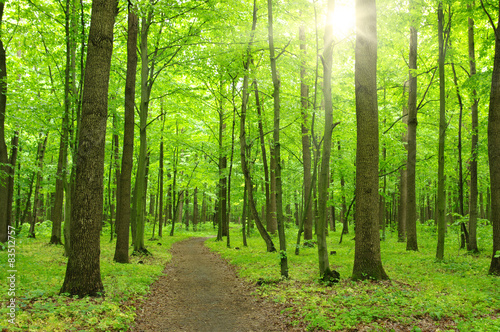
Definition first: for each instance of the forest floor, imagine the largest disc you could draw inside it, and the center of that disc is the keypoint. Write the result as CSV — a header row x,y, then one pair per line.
x,y
200,291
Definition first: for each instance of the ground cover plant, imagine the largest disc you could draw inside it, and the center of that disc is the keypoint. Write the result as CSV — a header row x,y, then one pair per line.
x,y
40,274
422,295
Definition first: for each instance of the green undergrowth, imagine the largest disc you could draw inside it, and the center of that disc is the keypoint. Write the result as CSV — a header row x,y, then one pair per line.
x,y
40,274
423,295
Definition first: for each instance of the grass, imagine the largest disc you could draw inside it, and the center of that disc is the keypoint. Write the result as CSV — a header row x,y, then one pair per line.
x,y
40,274
423,295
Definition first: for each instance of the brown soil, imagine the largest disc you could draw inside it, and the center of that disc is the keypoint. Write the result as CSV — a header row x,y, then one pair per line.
x,y
199,291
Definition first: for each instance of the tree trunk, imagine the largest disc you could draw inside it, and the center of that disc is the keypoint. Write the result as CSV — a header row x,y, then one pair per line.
x,y
411,196
196,215
272,222
403,187
140,195
441,199
494,154
3,146
83,273
276,145
367,260
243,145
472,245
37,201
306,139
12,168
123,205
324,266
269,208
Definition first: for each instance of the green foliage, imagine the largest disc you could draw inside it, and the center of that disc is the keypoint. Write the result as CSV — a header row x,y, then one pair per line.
x,y
40,274
456,293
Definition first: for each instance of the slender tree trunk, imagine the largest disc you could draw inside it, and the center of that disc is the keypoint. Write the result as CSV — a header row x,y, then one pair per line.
x,y
494,154
3,146
140,195
276,145
243,145
324,266
411,196
83,273
472,245
123,205
403,187
306,139
12,168
196,214
367,259
269,208
37,200
160,194
441,200
244,216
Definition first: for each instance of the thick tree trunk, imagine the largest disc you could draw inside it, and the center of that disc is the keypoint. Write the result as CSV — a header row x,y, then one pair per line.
x,y
441,199
494,155
83,273
367,259
411,196
276,145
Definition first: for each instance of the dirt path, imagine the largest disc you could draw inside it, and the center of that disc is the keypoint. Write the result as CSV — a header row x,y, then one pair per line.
x,y
201,292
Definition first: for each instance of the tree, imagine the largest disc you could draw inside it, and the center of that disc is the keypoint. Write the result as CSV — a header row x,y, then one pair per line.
x,y
123,201
441,191
276,144
243,144
494,151
472,245
83,273
306,139
367,259
324,266
411,199
4,171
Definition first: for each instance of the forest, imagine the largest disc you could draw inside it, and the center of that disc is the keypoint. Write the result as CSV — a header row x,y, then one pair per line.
x,y
342,157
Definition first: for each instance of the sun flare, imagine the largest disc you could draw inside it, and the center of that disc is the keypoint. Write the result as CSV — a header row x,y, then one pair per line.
x,y
343,19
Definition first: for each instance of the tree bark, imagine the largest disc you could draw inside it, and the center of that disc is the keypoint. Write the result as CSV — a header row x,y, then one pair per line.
x,y
83,273
123,205
3,147
472,245
411,197
37,201
324,265
441,199
367,259
276,145
140,195
306,139
494,154
243,145
12,168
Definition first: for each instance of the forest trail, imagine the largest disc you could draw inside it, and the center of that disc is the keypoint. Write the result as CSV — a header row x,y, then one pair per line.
x,y
199,291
